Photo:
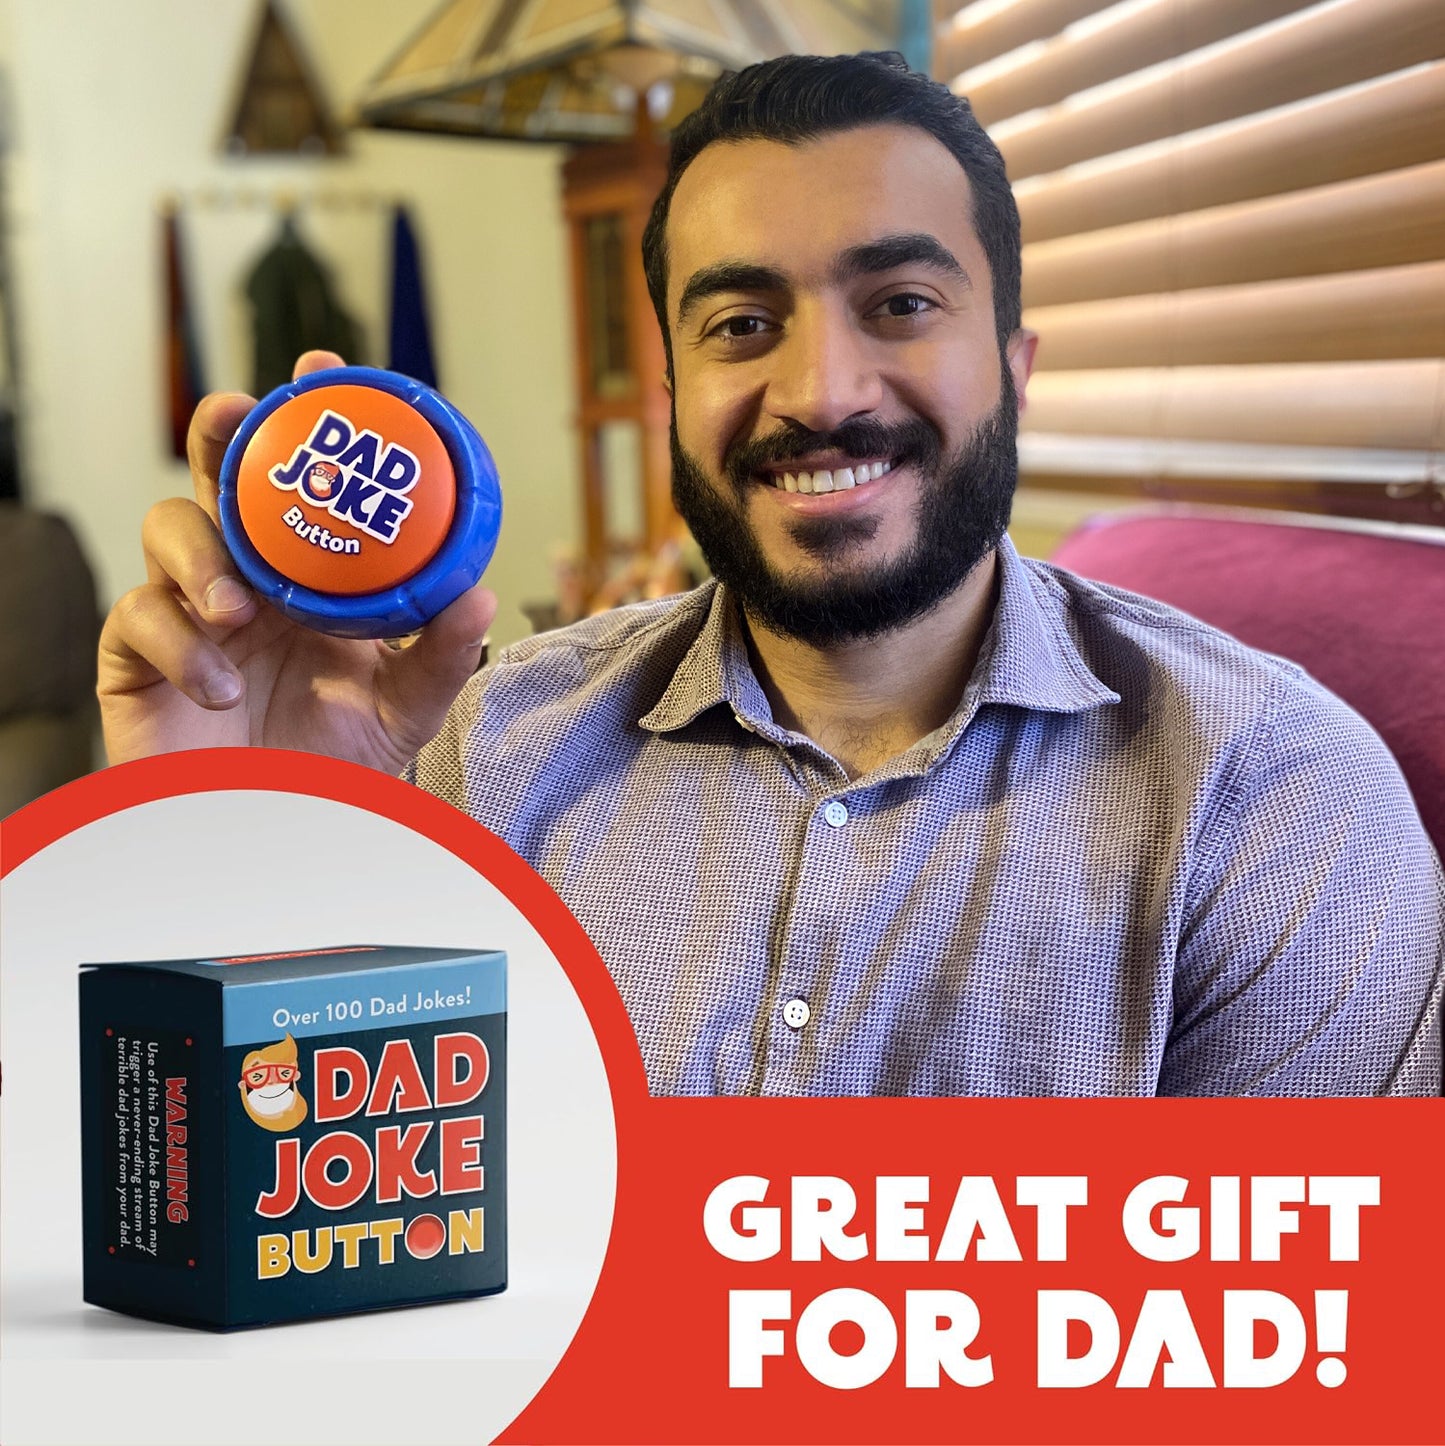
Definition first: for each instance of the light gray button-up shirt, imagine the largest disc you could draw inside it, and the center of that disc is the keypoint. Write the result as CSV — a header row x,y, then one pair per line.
x,y
1140,858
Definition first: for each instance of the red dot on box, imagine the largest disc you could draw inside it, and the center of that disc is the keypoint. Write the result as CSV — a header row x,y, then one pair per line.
x,y
425,1236
111,1249
110,1034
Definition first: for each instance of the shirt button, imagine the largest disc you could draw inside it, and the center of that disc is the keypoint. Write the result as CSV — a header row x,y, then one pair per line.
x,y
836,814
796,1013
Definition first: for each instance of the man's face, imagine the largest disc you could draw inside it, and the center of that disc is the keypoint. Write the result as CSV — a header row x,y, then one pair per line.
x,y
831,308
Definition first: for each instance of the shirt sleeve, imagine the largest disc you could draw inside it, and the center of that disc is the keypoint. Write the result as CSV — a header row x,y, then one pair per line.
x,y
1311,957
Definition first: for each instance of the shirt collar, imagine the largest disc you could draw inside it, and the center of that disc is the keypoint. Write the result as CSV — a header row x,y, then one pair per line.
x,y
1028,659
715,669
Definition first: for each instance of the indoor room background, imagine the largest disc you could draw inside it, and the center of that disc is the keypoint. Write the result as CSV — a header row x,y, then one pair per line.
x,y
1234,225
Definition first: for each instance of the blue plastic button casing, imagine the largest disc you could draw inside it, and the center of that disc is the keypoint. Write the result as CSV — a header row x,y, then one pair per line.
x,y
456,565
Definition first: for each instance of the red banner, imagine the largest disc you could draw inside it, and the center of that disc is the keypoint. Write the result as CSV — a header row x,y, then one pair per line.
x,y
1012,1270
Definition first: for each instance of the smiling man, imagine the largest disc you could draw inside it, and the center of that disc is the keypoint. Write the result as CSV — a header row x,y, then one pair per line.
x,y
845,409
883,808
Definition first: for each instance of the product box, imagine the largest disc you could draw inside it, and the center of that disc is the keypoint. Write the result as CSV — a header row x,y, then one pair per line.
x,y
278,1136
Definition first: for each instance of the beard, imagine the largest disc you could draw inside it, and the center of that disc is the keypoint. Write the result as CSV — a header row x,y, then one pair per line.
x,y
962,509
272,1104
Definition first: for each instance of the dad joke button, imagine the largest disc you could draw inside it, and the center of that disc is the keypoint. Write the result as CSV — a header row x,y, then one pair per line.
x,y
359,502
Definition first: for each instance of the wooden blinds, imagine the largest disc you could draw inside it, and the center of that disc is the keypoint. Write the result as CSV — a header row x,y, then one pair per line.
x,y
1234,233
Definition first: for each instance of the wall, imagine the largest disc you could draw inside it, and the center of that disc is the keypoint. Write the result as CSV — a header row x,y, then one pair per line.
x,y
113,107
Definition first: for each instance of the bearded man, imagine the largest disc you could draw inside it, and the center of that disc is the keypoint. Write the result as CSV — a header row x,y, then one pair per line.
x,y
882,808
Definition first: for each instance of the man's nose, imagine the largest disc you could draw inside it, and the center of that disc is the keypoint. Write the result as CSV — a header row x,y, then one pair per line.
x,y
825,370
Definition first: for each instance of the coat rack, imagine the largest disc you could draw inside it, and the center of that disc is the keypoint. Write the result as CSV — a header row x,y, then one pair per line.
x,y
279,199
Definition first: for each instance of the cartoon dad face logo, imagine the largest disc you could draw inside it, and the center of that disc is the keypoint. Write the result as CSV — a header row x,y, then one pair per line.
x,y
269,1090
321,480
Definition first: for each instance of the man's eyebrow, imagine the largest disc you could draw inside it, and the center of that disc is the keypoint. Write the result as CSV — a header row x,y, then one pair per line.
x,y
727,276
913,248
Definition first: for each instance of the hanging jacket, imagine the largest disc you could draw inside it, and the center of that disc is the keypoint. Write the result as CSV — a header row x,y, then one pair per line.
x,y
411,348
295,310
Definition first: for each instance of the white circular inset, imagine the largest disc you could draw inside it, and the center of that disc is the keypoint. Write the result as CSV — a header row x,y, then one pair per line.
x,y
836,814
796,1013
153,892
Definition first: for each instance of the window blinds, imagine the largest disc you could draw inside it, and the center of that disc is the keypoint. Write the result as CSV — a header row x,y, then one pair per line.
x,y
1234,236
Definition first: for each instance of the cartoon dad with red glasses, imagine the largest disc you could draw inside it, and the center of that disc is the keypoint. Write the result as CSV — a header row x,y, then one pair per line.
x,y
268,1086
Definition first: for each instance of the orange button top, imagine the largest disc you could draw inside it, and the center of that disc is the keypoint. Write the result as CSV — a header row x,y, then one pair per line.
x,y
347,490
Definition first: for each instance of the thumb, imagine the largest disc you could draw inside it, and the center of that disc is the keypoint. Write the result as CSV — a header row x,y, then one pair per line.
x,y
417,685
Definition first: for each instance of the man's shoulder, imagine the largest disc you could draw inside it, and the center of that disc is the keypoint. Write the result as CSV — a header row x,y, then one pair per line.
x,y
1204,686
631,629
1126,636
630,652
581,687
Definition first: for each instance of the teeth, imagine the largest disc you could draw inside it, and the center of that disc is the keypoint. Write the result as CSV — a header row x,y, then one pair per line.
x,y
838,480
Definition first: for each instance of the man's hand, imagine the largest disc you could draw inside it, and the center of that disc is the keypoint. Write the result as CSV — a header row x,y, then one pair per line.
x,y
194,659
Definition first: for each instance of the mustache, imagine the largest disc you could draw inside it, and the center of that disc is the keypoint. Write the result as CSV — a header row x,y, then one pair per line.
x,y
914,440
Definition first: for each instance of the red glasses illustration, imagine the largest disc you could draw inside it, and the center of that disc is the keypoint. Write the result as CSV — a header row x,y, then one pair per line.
x,y
264,1074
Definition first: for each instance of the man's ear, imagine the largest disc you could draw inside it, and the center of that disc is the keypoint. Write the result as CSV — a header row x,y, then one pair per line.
x,y
1019,355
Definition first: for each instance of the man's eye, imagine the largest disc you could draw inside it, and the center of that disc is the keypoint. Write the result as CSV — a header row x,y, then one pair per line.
x,y
907,303
738,328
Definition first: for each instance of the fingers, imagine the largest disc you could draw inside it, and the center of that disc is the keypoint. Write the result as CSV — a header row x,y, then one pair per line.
x,y
315,361
416,686
148,636
185,552
213,425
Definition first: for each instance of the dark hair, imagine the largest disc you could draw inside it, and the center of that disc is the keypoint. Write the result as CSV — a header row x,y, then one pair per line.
x,y
798,98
